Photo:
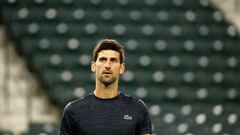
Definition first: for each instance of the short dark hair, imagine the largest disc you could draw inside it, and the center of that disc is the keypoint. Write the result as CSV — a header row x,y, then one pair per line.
x,y
109,44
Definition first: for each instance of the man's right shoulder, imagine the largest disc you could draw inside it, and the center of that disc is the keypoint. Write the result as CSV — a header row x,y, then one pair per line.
x,y
78,103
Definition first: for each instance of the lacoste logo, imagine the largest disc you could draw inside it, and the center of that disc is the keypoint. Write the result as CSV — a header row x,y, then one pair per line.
x,y
127,117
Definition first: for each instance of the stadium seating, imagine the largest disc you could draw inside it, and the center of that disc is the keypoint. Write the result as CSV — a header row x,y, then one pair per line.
x,y
182,57
42,129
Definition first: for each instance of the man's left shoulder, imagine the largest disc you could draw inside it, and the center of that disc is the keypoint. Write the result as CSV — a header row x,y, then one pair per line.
x,y
133,99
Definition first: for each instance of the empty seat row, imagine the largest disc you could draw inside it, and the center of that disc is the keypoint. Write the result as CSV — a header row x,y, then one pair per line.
x,y
176,78
184,63
187,94
145,15
224,47
63,29
143,77
201,4
57,45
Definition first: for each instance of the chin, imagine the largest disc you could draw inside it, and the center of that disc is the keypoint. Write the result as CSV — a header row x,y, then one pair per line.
x,y
107,82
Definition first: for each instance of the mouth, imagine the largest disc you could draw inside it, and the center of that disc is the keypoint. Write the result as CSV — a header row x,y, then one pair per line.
x,y
107,73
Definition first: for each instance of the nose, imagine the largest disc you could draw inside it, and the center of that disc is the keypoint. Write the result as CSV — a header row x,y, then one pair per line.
x,y
108,65
107,68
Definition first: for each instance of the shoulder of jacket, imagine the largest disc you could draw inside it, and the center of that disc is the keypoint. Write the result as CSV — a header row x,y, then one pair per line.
x,y
77,101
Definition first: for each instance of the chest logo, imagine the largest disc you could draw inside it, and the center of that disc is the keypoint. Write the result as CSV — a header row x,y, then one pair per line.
x,y
127,117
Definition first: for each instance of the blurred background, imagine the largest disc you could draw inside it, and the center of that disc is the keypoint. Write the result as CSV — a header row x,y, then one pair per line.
x,y
182,59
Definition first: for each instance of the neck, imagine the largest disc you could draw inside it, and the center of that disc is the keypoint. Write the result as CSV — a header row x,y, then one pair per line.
x,y
102,91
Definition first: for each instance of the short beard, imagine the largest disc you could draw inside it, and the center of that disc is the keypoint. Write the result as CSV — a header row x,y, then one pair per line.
x,y
107,82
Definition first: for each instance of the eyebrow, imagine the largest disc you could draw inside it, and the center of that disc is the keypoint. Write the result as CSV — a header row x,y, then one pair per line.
x,y
106,57
111,58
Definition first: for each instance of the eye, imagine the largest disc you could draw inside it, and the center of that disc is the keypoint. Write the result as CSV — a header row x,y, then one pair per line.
x,y
114,60
102,59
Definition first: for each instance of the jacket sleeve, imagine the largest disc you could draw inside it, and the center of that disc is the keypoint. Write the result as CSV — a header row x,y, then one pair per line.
x,y
144,126
67,125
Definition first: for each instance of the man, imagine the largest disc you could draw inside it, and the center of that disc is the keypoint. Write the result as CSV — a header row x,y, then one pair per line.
x,y
106,111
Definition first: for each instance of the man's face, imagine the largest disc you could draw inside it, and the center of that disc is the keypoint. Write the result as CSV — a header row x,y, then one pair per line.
x,y
107,67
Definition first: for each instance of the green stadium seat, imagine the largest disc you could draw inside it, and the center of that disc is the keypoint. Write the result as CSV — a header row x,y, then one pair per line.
x,y
42,128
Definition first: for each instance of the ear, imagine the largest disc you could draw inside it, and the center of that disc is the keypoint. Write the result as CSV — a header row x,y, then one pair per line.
x,y
122,68
93,66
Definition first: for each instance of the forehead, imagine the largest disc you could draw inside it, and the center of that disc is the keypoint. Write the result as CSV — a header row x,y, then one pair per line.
x,y
108,54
